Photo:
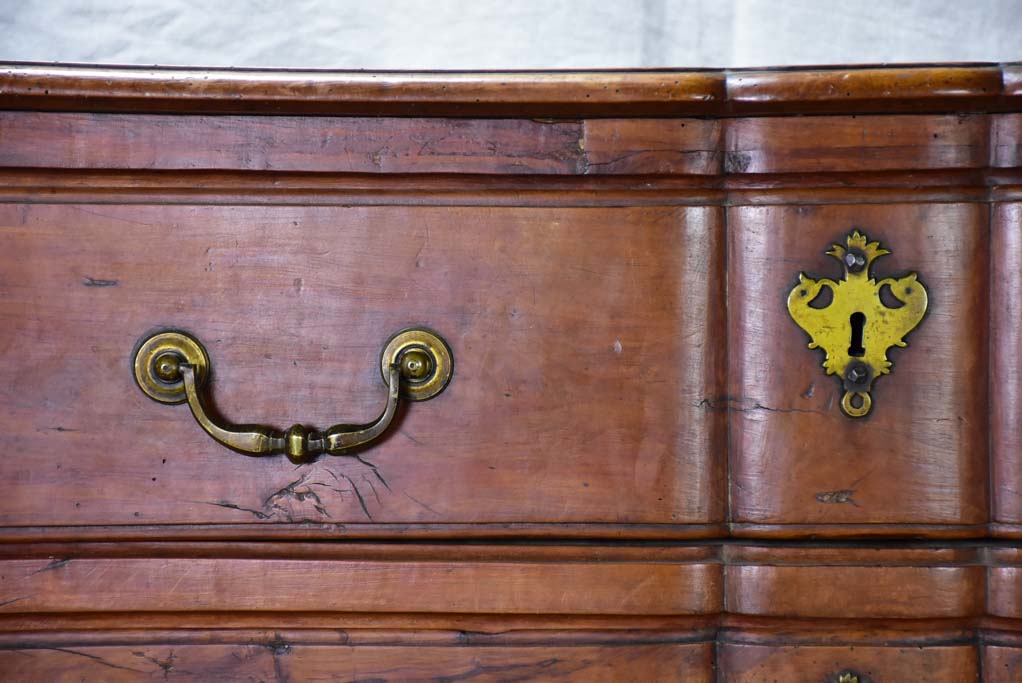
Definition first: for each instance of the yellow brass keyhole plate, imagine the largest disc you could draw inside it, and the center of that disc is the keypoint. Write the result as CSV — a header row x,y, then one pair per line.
x,y
856,328
424,359
156,365
848,676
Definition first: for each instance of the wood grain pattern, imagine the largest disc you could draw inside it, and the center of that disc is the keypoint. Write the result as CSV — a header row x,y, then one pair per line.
x,y
284,91
830,144
240,188
579,336
1005,368
360,145
27,629
860,583
847,584
870,89
920,456
1004,578
867,591
665,92
447,586
688,663
501,146
478,551
885,611
355,531
256,143
1002,664
1005,599
653,146
740,663
1006,141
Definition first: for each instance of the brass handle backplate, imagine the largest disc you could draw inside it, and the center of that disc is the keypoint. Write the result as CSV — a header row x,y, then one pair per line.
x,y
173,367
856,327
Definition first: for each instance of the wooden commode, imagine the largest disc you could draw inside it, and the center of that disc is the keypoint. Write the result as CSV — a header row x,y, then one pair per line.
x,y
701,376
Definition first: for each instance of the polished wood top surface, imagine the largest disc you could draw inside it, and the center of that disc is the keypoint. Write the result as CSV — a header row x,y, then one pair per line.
x,y
667,92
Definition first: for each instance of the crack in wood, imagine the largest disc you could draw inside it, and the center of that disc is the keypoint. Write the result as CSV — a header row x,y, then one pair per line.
x,y
98,282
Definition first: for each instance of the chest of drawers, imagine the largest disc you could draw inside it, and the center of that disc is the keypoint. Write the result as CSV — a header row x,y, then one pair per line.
x,y
633,467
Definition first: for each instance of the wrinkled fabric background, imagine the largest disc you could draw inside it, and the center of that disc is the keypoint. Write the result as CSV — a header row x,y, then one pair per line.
x,y
505,34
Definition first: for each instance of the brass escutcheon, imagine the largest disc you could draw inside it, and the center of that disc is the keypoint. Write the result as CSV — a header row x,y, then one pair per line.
x,y
856,328
173,367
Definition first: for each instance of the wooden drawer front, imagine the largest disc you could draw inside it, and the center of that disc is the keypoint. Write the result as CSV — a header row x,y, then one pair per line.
x,y
56,661
181,580
53,659
1006,368
815,614
799,464
744,663
785,613
1002,663
1004,594
854,583
336,611
585,341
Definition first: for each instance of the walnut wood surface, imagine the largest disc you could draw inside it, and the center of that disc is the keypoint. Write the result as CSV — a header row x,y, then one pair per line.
x,y
920,456
813,144
791,613
885,612
1005,366
939,461
259,143
578,391
696,147
1006,148
188,585
592,93
821,592
1002,664
688,663
923,585
608,254
1004,592
741,663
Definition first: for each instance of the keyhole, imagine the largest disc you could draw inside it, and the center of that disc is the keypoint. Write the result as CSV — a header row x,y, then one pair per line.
x,y
857,321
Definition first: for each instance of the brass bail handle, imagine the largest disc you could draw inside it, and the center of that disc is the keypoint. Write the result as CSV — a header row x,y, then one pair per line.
x,y
173,367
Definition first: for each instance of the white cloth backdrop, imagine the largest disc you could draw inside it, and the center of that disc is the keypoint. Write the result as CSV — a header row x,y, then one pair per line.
x,y
509,34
